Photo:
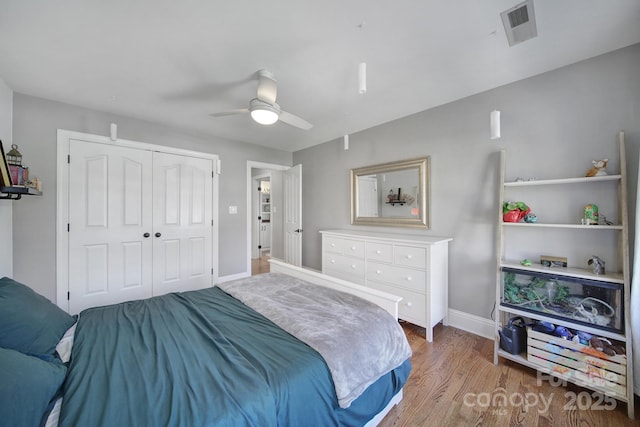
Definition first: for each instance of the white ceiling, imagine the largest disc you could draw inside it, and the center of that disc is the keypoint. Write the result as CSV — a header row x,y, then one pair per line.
x,y
174,62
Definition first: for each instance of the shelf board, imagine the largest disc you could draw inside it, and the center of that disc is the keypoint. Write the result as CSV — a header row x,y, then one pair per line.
x,y
566,323
579,180
554,225
16,192
581,273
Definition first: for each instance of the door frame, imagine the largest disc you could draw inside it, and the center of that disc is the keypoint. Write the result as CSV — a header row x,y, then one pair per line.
x,y
62,200
257,165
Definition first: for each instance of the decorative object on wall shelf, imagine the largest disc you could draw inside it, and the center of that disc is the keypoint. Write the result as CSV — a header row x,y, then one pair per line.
x,y
514,211
553,261
19,172
598,169
13,156
590,215
597,263
5,176
531,218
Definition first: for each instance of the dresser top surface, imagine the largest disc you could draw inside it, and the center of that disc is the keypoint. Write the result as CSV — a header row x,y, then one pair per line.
x,y
391,237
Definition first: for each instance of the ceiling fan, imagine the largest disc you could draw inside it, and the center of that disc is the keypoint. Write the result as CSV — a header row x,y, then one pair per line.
x,y
264,109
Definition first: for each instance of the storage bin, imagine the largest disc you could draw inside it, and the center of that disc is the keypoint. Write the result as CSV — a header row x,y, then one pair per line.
x,y
578,363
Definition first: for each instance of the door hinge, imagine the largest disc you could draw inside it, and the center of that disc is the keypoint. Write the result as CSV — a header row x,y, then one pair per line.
x,y
259,246
213,174
212,223
68,296
68,227
259,189
212,271
68,158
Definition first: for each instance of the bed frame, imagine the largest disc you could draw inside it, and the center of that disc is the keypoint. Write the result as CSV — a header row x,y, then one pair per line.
x,y
387,301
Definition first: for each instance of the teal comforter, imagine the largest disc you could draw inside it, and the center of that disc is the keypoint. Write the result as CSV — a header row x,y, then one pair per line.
x,y
202,358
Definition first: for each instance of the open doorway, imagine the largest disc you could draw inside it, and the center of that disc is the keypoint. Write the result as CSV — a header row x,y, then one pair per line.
x,y
261,240
265,201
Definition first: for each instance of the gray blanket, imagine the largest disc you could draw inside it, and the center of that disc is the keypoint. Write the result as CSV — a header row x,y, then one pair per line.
x,y
358,340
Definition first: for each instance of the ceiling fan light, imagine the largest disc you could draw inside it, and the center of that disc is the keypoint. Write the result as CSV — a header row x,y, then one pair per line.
x,y
264,116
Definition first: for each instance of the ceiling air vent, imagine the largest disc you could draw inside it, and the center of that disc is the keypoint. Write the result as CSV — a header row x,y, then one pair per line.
x,y
519,23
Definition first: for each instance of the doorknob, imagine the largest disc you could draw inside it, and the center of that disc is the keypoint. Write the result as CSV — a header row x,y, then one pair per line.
x,y
146,235
158,234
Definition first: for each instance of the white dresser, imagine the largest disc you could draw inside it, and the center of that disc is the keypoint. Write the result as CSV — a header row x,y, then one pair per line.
x,y
414,267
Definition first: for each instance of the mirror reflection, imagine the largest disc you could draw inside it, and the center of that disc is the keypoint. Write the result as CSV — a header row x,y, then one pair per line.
x,y
392,194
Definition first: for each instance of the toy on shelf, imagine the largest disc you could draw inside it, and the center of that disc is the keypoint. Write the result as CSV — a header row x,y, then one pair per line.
x,y
514,211
598,168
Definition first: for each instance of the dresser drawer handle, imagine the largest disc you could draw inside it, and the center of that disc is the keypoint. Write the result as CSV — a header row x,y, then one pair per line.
x,y
353,266
378,272
333,261
409,304
409,278
333,245
378,252
409,256
353,248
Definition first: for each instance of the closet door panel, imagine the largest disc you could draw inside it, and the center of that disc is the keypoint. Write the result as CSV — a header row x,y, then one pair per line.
x,y
110,193
182,223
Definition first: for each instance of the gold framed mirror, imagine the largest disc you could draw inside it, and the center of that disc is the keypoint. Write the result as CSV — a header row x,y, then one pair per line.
x,y
394,194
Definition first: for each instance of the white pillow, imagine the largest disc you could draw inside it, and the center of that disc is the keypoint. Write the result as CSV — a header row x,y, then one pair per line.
x,y
66,344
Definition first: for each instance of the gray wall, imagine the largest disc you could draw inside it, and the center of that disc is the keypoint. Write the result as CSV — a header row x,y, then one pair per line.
x,y
35,123
553,125
6,234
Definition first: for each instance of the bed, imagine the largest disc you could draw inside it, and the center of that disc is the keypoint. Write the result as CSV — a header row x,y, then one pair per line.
x,y
261,351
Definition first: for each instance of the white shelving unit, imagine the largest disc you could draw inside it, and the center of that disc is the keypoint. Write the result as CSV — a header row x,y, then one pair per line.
x,y
265,220
571,366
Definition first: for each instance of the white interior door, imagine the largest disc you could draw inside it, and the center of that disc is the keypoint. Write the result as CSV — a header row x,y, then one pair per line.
x,y
182,218
110,253
368,196
293,215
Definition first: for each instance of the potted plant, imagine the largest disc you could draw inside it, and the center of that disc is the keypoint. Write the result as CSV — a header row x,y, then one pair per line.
x,y
514,211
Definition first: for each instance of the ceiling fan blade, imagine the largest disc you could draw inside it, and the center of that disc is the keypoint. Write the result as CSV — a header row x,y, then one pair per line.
x,y
267,87
295,121
230,112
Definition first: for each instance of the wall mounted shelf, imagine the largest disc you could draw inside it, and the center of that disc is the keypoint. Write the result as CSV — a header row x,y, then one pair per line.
x,y
16,193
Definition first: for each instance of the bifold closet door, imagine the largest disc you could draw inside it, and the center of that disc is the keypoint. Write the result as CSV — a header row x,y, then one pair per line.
x,y
110,191
182,223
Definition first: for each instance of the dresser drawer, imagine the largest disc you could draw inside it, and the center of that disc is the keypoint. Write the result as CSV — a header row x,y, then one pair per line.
x,y
407,278
349,247
343,267
379,251
413,304
409,256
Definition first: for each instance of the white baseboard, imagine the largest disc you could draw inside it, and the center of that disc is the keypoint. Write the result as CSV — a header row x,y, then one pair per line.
x,y
471,323
231,277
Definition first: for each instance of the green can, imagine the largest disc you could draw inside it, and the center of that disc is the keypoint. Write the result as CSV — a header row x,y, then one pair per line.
x,y
591,214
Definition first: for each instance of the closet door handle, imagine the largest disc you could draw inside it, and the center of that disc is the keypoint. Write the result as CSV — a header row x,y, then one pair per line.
x,y
158,234
146,235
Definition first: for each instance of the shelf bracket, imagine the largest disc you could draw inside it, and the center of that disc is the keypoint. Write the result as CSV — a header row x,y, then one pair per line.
x,y
7,196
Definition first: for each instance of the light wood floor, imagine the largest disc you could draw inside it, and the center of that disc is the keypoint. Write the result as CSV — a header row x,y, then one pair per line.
x,y
260,265
454,379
